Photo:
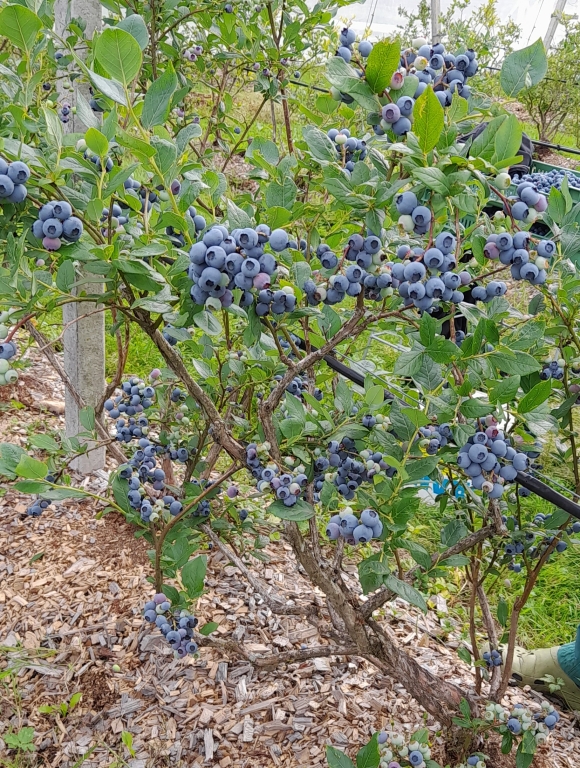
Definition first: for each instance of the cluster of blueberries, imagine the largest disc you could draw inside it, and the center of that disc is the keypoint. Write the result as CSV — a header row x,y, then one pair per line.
x,y
523,541
176,626
298,386
287,486
13,178
527,204
192,54
346,468
8,350
347,39
489,460
515,251
142,468
64,112
554,369
434,437
222,262
395,752
365,275
135,397
492,658
39,504
56,224
521,719
348,149
102,164
544,182
446,72
424,278
353,529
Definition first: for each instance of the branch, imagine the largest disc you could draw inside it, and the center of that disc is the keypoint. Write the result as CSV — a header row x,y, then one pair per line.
x,y
384,595
220,431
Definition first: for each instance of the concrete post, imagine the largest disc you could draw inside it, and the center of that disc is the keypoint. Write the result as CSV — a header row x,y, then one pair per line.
x,y
555,19
84,339
435,13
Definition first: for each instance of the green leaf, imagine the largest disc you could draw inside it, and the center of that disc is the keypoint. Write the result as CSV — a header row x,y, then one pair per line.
x,y
369,756
418,468
193,576
87,417
458,109
381,65
408,363
428,119
30,468
300,511
474,408
65,276
464,654
97,142
465,709
519,363
44,442
120,488
158,97
453,532
375,395
208,323
432,178
135,26
208,628
504,390
337,759
237,218
419,554
427,329
524,68
281,195
84,112
53,127
508,139
523,759
20,25
119,54
371,573
502,612
506,743
535,397
556,208
110,88
406,591
346,79
484,145
185,135
319,145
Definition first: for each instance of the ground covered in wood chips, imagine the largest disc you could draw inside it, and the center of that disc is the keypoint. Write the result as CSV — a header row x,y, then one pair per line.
x,y
71,591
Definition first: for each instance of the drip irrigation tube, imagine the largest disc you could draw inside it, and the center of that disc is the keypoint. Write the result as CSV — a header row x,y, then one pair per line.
x,y
524,479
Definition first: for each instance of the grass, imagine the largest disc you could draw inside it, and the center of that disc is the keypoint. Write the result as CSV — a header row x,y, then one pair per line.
x,y
552,612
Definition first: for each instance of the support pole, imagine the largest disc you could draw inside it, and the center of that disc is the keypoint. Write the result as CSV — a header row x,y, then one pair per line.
x,y
435,14
555,19
84,339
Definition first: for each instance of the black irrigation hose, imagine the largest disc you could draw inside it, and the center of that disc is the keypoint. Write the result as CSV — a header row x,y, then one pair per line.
x,y
559,147
526,481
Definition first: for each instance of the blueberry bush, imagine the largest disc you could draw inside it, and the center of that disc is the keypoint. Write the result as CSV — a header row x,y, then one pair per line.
x,y
371,213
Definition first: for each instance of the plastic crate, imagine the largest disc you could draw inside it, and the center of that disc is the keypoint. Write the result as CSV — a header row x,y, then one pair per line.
x,y
538,167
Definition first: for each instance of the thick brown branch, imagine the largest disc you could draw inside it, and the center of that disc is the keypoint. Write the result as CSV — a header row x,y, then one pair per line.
x,y
220,432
